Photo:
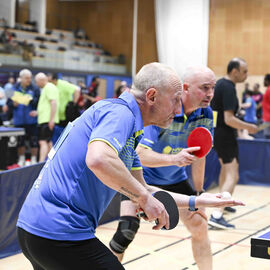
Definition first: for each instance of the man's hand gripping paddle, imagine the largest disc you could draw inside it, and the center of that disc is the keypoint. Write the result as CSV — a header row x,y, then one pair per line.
x,y
202,137
170,206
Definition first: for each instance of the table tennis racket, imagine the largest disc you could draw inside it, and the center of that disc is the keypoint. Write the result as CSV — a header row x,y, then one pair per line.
x,y
263,126
170,206
202,137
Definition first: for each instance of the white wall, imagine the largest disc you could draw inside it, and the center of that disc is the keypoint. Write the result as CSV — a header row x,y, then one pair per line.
x,y
38,14
7,11
182,32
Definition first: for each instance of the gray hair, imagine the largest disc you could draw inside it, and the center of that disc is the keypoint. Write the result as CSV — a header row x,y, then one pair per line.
x,y
153,75
25,72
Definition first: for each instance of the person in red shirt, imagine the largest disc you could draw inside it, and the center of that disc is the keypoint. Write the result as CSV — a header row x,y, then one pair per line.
x,y
266,105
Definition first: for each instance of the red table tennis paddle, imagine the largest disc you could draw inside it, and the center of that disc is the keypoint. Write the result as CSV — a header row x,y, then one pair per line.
x,y
202,137
170,206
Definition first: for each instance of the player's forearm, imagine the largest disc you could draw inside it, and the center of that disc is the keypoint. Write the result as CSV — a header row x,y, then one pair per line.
x,y
198,170
53,110
246,105
236,123
102,160
76,95
151,158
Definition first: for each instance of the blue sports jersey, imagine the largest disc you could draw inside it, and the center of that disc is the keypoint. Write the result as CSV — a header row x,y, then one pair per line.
x,y
172,141
67,199
250,115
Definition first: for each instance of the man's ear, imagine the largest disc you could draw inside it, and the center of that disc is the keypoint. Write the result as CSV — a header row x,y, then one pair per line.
x,y
186,87
151,95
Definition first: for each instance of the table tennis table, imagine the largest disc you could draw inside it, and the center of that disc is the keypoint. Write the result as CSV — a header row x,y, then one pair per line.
x,y
11,131
260,245
8,136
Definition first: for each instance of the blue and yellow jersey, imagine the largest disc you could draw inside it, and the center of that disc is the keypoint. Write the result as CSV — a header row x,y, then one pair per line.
x,y
67,200
171,141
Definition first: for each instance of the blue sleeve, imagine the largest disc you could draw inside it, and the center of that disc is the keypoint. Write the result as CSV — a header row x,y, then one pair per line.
x,y
136,163
249,100
34,101
113,125
151,134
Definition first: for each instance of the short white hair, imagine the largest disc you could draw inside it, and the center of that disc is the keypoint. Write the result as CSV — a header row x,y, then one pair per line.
x,y
25,72
153,75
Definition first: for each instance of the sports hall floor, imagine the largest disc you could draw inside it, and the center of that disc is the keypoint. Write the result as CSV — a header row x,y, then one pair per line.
x,y
159,250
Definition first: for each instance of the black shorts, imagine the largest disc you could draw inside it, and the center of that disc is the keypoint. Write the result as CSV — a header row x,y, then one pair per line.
x,y
182,187
31,134
44,132
226,146
47,254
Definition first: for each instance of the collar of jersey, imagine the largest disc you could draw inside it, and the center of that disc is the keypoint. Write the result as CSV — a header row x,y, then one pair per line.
x,y
134,107
193,114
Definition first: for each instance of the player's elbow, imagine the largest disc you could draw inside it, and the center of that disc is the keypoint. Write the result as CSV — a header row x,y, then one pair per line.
x,y
94,162
227,120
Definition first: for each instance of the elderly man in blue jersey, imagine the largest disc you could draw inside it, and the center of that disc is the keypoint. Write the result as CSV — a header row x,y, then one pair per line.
x,y
22,115
95,157
164,155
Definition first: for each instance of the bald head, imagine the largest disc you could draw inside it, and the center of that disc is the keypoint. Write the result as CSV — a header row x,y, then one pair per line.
x,y
41,79
154,75
198,84
193,72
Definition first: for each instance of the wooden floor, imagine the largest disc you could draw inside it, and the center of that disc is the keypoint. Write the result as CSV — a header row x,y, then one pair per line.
x,y
159,250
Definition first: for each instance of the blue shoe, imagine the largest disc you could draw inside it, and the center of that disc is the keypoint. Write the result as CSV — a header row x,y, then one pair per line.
x,y
220,223
230,209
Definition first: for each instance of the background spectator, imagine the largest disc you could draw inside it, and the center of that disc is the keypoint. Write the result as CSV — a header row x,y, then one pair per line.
x,y
121,88
258,97
92,95
47,112
266,105
21,114
250,114
8,87
245,91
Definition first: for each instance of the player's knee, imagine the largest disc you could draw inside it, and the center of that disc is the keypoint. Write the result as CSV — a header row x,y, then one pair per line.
x,y
34,141
198,226
126,231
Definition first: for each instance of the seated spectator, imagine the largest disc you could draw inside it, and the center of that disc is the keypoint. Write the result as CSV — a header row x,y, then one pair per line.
x,y
28,51
79,33
62,37
42,45
6,40
5,36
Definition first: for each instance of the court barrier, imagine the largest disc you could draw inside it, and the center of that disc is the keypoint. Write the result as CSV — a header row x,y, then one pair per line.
x,y
15,184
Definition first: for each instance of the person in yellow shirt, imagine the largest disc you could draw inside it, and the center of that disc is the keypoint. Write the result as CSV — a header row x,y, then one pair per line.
x,y
47,112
